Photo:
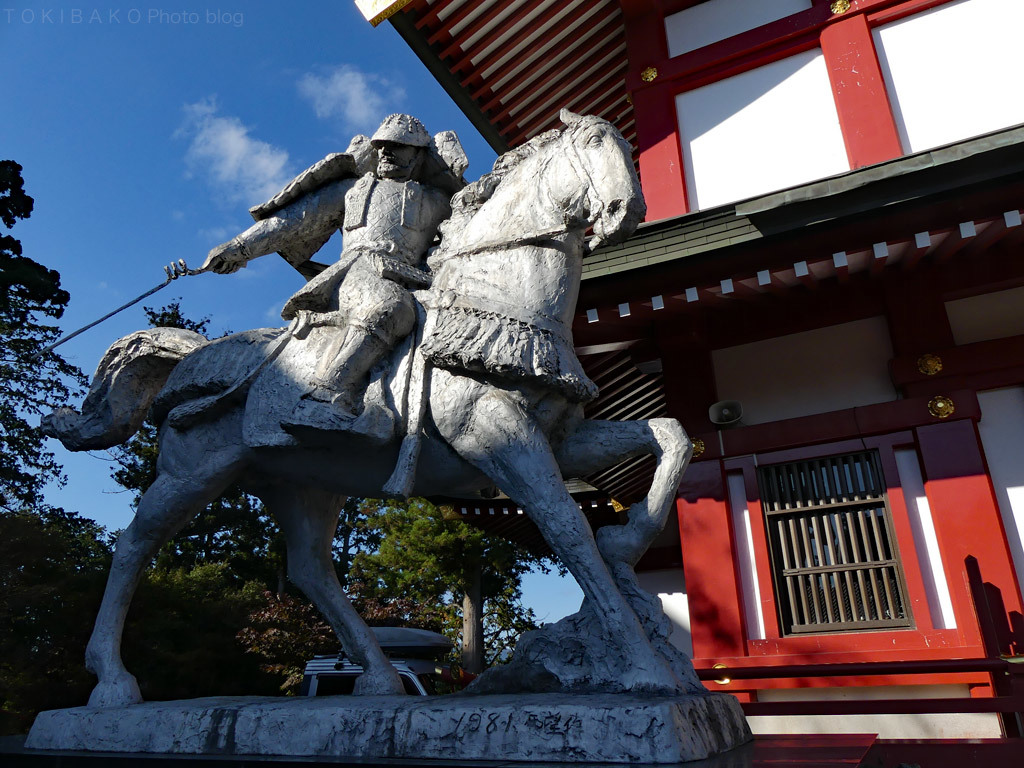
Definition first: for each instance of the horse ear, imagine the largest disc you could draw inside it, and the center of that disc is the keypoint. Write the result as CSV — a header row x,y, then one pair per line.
x,y
568,117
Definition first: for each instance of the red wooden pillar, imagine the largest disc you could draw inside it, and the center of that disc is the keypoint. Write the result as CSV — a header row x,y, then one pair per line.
x,y
865,114
661,162
966,518
712,589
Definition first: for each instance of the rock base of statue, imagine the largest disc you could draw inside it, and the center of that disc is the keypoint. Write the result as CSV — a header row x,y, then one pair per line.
x,y
542,728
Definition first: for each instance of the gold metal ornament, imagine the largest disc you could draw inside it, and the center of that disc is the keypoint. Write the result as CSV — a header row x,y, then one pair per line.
x,y
649,75
929,364
840,6
722,680
941,407
617,506
698,448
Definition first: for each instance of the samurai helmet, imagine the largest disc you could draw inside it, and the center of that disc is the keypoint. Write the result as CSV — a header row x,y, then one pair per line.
x,y
401,129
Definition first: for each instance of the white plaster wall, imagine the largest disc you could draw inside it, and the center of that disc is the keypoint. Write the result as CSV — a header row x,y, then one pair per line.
x,y
950,71
926,542
739,508
1002,436
944,726
669,585
827,369
715,20
760,131
996,315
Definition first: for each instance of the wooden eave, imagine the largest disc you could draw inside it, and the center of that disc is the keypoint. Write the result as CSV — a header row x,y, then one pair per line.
x,y
510,67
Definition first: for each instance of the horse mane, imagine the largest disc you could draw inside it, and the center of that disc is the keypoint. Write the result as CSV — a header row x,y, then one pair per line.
x,y
469,200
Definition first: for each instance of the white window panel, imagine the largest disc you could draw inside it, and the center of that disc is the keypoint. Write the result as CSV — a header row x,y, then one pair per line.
x,y
996,315
716,20
760,131
949,71
827,369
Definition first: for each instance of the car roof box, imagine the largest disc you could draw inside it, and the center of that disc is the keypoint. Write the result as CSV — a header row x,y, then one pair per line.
x,y
412,643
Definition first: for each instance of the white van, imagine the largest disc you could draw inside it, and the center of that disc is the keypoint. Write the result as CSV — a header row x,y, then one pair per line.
x,y
415,654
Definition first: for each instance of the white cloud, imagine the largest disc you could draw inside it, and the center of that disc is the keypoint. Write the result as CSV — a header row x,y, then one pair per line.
x,y
359,100
273,314
222,151
216,235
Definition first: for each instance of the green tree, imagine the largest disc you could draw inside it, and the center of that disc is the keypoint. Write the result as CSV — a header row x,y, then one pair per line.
x,y
430,559
234,529
32,382
52,568
180,634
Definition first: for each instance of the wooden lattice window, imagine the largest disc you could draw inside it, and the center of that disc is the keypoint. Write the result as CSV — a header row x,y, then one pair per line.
x,y
835,561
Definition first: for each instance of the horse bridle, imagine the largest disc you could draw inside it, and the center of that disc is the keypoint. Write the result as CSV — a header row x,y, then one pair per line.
x,y
580,168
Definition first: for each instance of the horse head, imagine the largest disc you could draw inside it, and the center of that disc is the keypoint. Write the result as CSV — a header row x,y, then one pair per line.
x,y
603,161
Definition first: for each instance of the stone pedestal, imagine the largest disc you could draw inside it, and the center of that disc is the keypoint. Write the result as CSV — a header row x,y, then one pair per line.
x,y
540,727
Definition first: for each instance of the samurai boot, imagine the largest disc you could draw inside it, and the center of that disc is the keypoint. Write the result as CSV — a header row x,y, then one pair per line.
x,y
332,406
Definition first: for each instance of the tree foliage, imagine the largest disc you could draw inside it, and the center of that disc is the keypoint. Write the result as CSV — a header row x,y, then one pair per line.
x,y
52,568
286,632
428,558
30,295
180,634
234,529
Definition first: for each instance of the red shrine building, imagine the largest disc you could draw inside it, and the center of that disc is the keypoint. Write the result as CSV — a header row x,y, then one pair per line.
x,y
828,294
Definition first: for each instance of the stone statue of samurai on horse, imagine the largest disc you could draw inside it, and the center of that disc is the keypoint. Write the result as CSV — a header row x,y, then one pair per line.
x,y
412,367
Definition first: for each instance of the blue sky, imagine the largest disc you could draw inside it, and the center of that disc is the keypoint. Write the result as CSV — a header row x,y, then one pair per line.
x,y
146,133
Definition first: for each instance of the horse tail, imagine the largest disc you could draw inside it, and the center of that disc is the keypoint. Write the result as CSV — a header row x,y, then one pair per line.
x,y
128,378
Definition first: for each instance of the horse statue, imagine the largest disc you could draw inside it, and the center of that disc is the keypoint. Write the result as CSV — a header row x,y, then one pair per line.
x,y
498,402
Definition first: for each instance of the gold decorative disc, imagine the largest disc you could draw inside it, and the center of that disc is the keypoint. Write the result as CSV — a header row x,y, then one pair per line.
x,y
941,407
649,75
698,448
722,680
929,364
840,6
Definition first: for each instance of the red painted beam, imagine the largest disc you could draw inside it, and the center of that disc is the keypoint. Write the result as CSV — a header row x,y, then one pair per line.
x,y
865,114
883,706
859,669
428,21
586,104
443,28
661,157
499,14
966,517
514,109
522,33
539,49
592,96
705,532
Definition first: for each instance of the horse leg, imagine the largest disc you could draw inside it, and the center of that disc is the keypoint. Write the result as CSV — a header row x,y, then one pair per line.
x,y
309,519
506,443
183,488
596,445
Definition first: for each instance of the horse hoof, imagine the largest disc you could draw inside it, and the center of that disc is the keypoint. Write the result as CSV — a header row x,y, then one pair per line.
x,y
368,684
115,693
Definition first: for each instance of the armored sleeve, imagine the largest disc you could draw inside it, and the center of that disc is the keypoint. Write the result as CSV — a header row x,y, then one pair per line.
x,y
301,228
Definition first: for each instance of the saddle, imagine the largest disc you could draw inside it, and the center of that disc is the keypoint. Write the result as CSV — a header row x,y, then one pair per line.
x,y
385,412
